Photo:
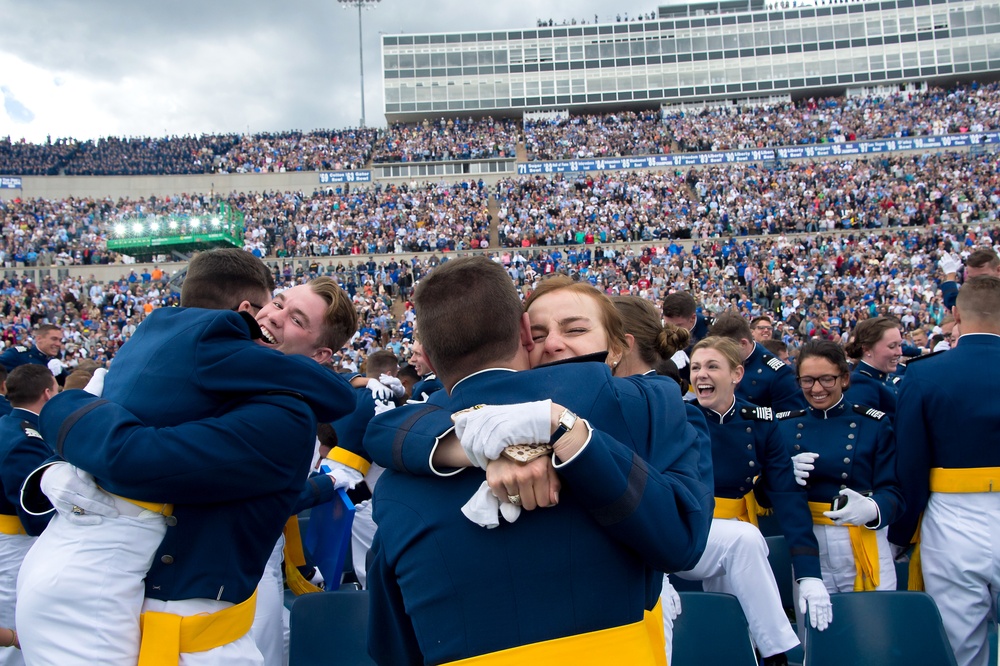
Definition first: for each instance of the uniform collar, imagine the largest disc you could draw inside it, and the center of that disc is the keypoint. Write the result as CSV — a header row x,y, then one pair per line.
x,y
24,415
751,354
724,416
870,371
836,410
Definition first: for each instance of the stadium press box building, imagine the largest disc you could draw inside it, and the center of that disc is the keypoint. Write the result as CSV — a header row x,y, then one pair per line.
x,y
694,53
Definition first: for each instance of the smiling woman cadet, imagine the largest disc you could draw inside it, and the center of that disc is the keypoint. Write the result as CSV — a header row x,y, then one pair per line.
x,y
877,346
844,450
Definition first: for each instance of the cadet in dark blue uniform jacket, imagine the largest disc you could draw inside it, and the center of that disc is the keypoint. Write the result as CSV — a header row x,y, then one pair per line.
x,y
947,422
845,450
216,366
750,456
589,563
21,451
428,382
48,344
767,381
876,345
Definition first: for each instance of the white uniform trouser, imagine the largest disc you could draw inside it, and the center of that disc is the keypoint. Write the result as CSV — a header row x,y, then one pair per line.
x,y
362,533
735,562
269,623
13,548
960,558
241,652
836,560
81,588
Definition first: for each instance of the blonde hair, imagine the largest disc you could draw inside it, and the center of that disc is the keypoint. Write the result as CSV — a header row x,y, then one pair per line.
x,y
725,346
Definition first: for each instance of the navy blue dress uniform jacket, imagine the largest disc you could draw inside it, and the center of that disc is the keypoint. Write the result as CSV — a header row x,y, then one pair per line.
x,y
746,443
857,450
425,387
768,382
443,588
873,388
947,416
234,476
18,355
21,451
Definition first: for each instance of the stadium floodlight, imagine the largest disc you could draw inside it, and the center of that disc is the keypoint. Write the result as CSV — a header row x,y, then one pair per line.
x,y
119,229
137,228
216,222
172,224
360,4
154,226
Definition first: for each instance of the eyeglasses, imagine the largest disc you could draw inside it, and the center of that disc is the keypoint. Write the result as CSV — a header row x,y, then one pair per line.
x,y
764,328
826,381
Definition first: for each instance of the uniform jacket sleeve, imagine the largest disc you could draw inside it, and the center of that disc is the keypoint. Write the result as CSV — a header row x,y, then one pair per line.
x,y
230,457
22,459
887,493
913,459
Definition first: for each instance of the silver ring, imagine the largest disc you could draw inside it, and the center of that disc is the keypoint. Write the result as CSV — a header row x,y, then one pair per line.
x,y
77,511
514,499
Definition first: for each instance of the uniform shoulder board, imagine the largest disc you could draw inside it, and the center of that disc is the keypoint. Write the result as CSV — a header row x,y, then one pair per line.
x,y
914,359
774,363
781,416
869,412
757,413
29,430
21,348
895,380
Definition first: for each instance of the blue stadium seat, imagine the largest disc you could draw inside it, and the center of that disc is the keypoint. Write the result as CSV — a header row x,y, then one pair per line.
x,y
781,566
325,619
711,630
880,629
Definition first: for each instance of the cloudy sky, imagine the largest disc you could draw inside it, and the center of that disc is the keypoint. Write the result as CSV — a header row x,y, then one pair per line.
x,y
86,69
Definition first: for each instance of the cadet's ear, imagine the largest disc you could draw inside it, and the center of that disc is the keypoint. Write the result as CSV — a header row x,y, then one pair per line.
x,y
525,329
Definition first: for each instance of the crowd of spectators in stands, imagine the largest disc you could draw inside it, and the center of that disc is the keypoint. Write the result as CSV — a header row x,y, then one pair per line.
x,y
747,199
812,285
448,139
966,108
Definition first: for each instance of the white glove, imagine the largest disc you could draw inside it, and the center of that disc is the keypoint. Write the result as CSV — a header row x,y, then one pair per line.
x,y
342,475
483,507
859,510
814,598
802,464
949,263
485,432
96,384
393,384
75,495
379,392
55,366
671,600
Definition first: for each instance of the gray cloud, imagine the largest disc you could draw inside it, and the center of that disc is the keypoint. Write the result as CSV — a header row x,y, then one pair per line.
x,y
225,65
16,111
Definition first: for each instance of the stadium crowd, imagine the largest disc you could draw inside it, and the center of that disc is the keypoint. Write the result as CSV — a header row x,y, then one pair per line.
x,y
971,107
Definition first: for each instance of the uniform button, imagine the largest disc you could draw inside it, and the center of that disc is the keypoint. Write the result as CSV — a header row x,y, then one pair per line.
x,y
851,436
167,559
759,370
170,521
844,475
749,447
847,460
799,426
842,486
798,446
754,382
742,489
850,446
753,464
853,424
749,480
748,429
798,435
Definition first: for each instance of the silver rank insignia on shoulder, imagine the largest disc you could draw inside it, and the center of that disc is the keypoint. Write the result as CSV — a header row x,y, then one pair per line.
x,y
869,412
774,363
31,432
20,348
785,415
758,413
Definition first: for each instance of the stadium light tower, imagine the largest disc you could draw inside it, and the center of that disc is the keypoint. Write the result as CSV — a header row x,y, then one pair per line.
x,y
360,4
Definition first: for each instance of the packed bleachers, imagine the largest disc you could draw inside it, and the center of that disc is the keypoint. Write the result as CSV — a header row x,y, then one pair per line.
x,y
965,108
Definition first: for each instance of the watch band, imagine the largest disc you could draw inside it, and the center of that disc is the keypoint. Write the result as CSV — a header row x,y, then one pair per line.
x,y
567,420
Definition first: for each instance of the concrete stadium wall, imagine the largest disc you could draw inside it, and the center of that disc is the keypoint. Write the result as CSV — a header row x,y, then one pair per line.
x,y
62,187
